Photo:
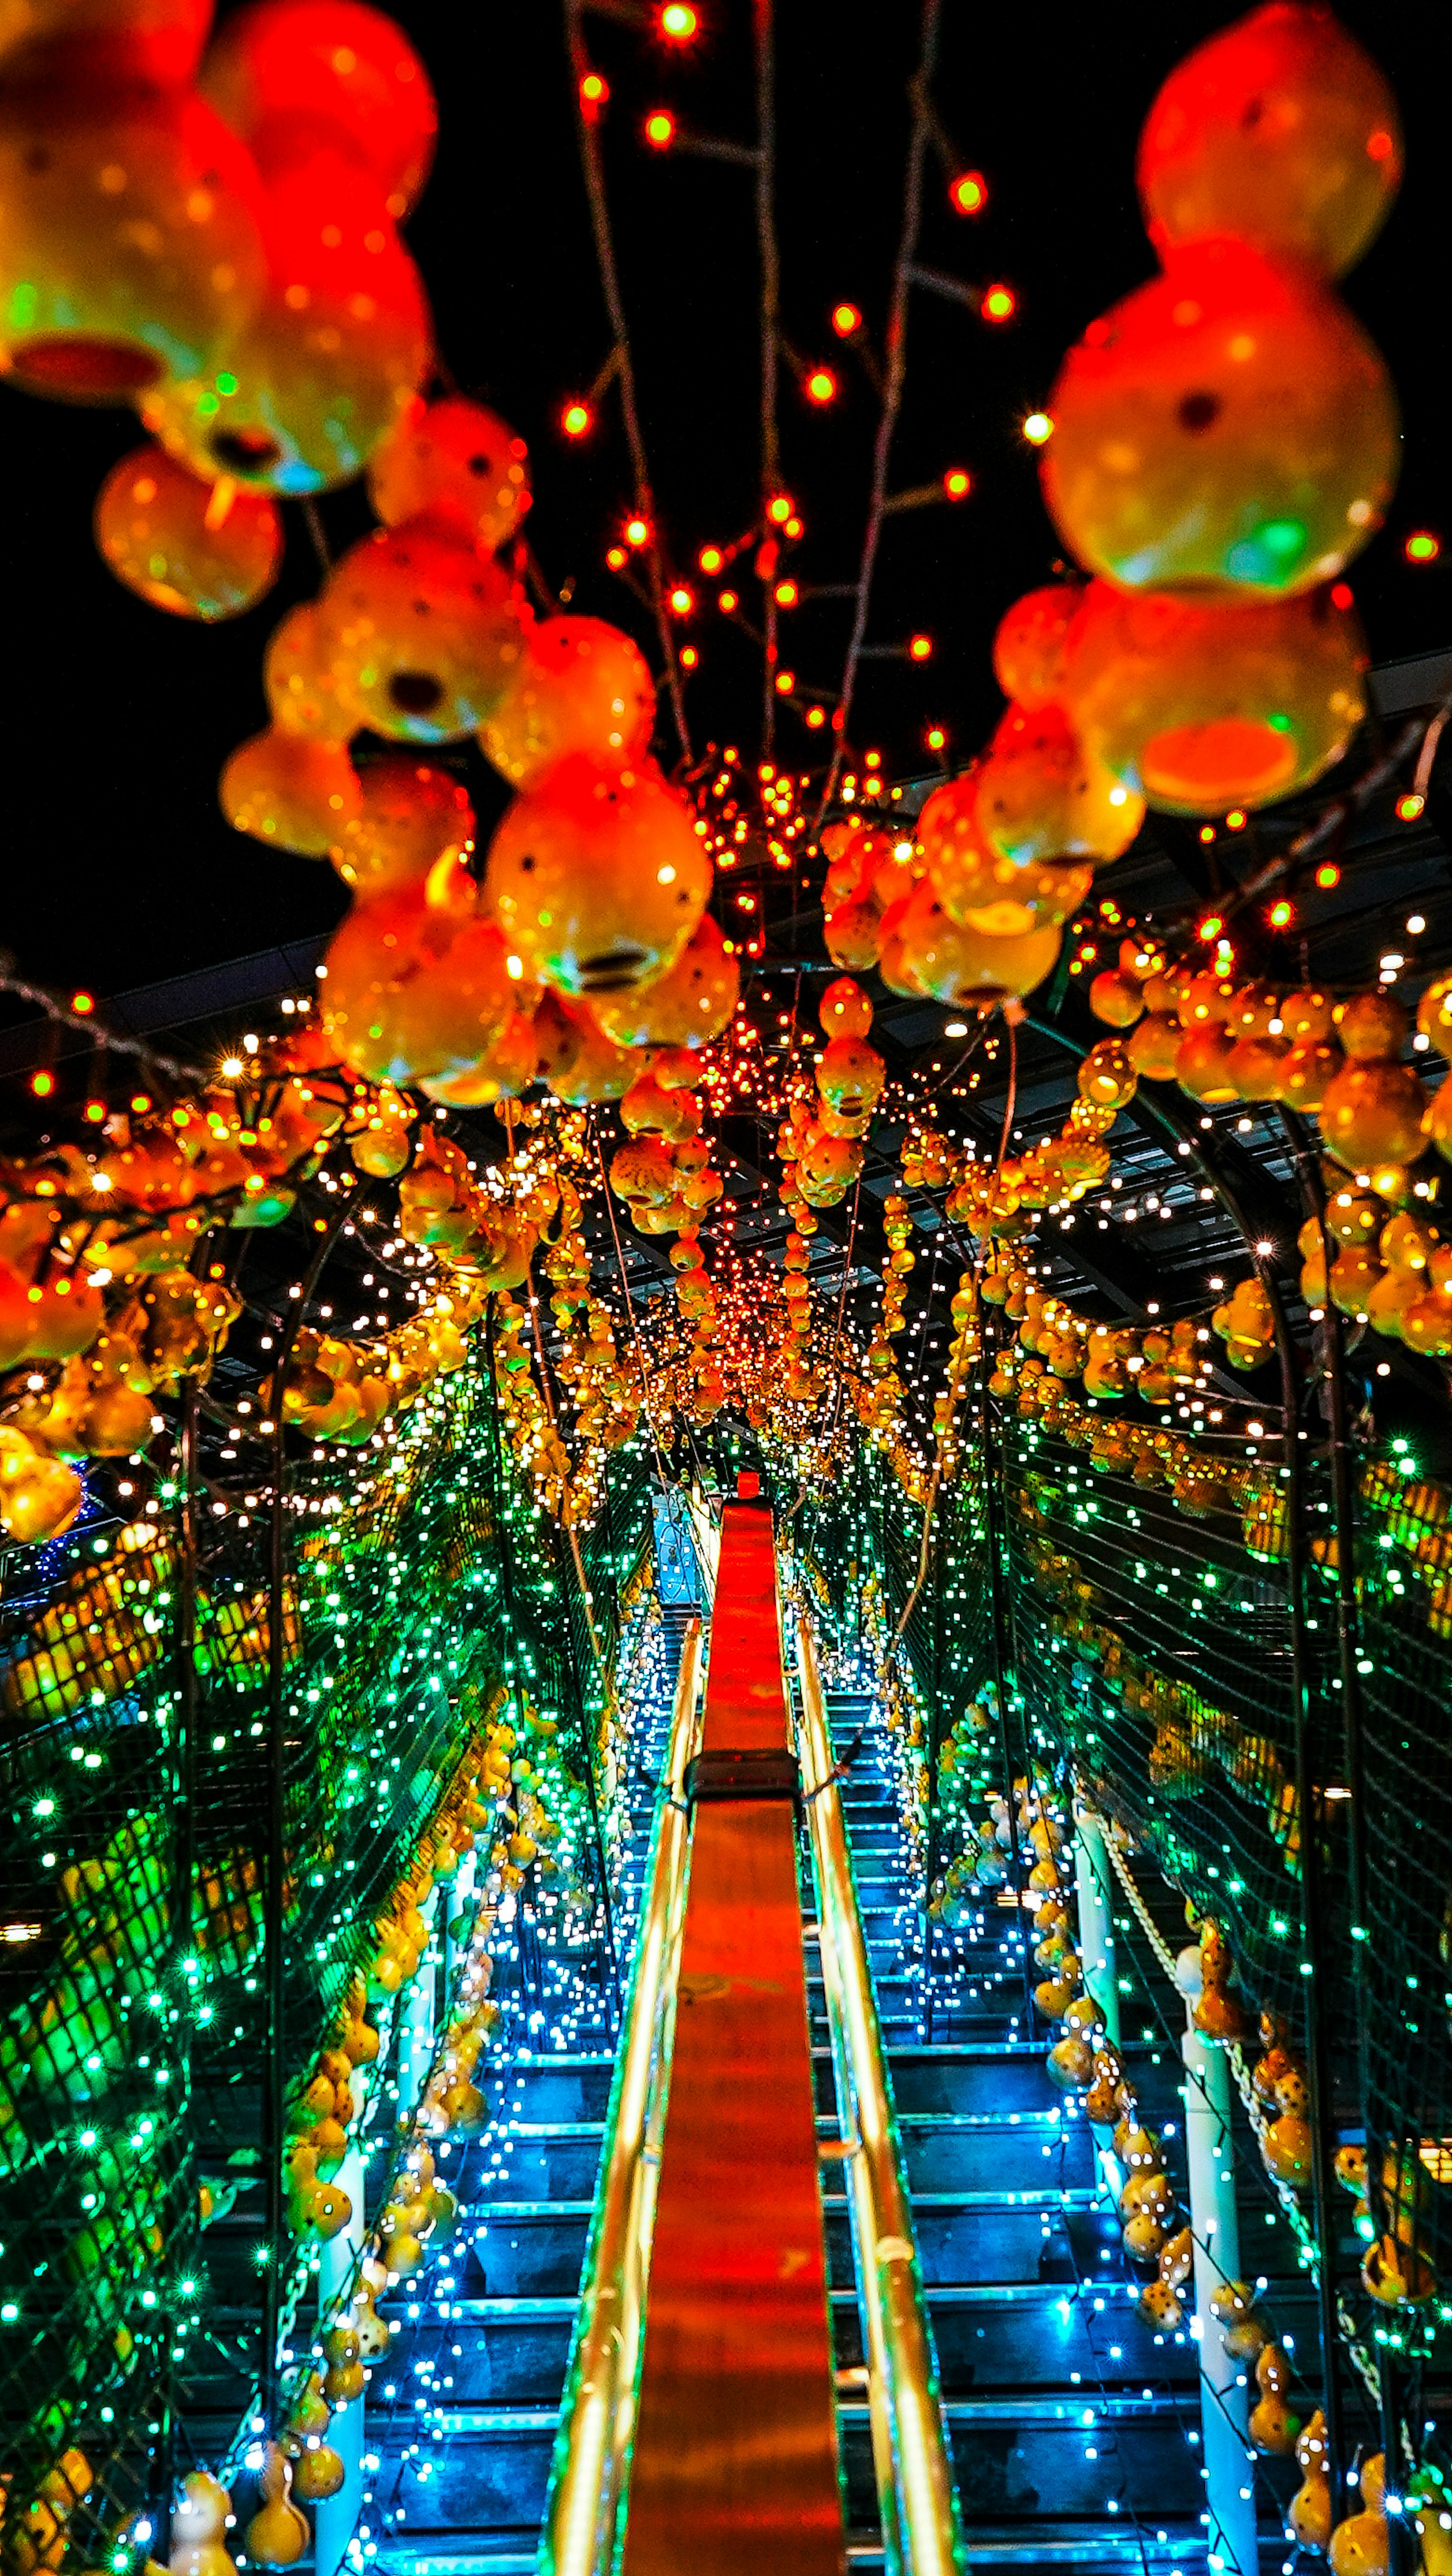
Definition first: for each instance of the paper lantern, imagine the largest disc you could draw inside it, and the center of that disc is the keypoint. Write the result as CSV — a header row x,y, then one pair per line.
x,y
977,886
1279,132
1028,649
1200,708
597,875
1230,424
319,374
130,240
297,76
421,634
411,815
144,44
416,988
456,463
302,694
294,790
936,956
580,686
687,1006
204,550
1041,793
580,1061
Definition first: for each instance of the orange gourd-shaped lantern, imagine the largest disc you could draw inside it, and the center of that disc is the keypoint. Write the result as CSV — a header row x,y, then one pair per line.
x,y
422,634
198,2529
1229,424
977,886
844,1009
933,954
687,1006
130,245
458,464
204,550
297,791
1028,649
1279,132
302,694
417,985
580,1061
411,814
297,76
1372,1113
317,376
1201,707
580,686
597,875
1040,793
504,1072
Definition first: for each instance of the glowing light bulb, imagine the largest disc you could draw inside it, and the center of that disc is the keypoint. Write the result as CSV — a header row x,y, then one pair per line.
x,y
577,419
1410,807
920,647
682,600
678,22
1328,874
968,193
957,483
786,681
1281,914
710,558
786,594
779,508
816,717
1422,546
728,602
1038,428
660,128
637,532
594,91
821,386
845,320
999,303
935,738
42,1084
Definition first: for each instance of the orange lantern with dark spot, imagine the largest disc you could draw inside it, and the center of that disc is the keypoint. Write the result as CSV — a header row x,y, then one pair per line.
x,y
1028,649
580,686
1280,132
302,694
421,633
1229,425
417,985
458,464
204,550
597,875
411,814
130,241
1041,793
687,1006
1203,707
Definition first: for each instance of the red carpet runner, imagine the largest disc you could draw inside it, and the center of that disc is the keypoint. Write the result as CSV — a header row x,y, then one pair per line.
x,y
735,2465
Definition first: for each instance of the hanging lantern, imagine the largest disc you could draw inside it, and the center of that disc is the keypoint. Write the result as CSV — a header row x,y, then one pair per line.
x,y
296,791
1280,132
931,954
687,1006
458,465
580,1061
1040,793
302,694
204,550
421,634
417,985
411,814
1200,708
130,240
597,875
580,686
318,374
1028,649
298,76
1228,425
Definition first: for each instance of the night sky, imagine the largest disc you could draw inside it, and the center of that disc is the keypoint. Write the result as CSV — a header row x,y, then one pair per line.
x,y
118,867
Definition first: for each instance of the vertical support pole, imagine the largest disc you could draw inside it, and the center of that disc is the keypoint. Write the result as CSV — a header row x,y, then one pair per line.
x,y
457,1901
993,1500
1096,1921
274,2072
338,2259
1224,2407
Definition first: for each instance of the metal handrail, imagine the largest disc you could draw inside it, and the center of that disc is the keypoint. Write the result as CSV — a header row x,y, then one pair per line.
x,y
597,2416
921,2533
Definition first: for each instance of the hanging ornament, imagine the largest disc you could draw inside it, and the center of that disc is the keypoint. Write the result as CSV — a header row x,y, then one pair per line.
x,y
204,550
130,239
1040,793
1280,132
417,983
298,791
318,373
597,875
1229,425
106,44
687,1006
1203,707
411,814
1028,649
421,634
457,465
302,694
580,686
300,76
931,954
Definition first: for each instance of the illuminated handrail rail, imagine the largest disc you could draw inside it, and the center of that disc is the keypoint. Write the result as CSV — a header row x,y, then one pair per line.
x,y
597,2416
919,2507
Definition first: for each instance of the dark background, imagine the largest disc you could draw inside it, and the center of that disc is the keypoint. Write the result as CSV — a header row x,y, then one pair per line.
x,y
118,869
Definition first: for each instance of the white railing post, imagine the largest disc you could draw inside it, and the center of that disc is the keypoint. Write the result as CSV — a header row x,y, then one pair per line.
x,y
1224,2405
